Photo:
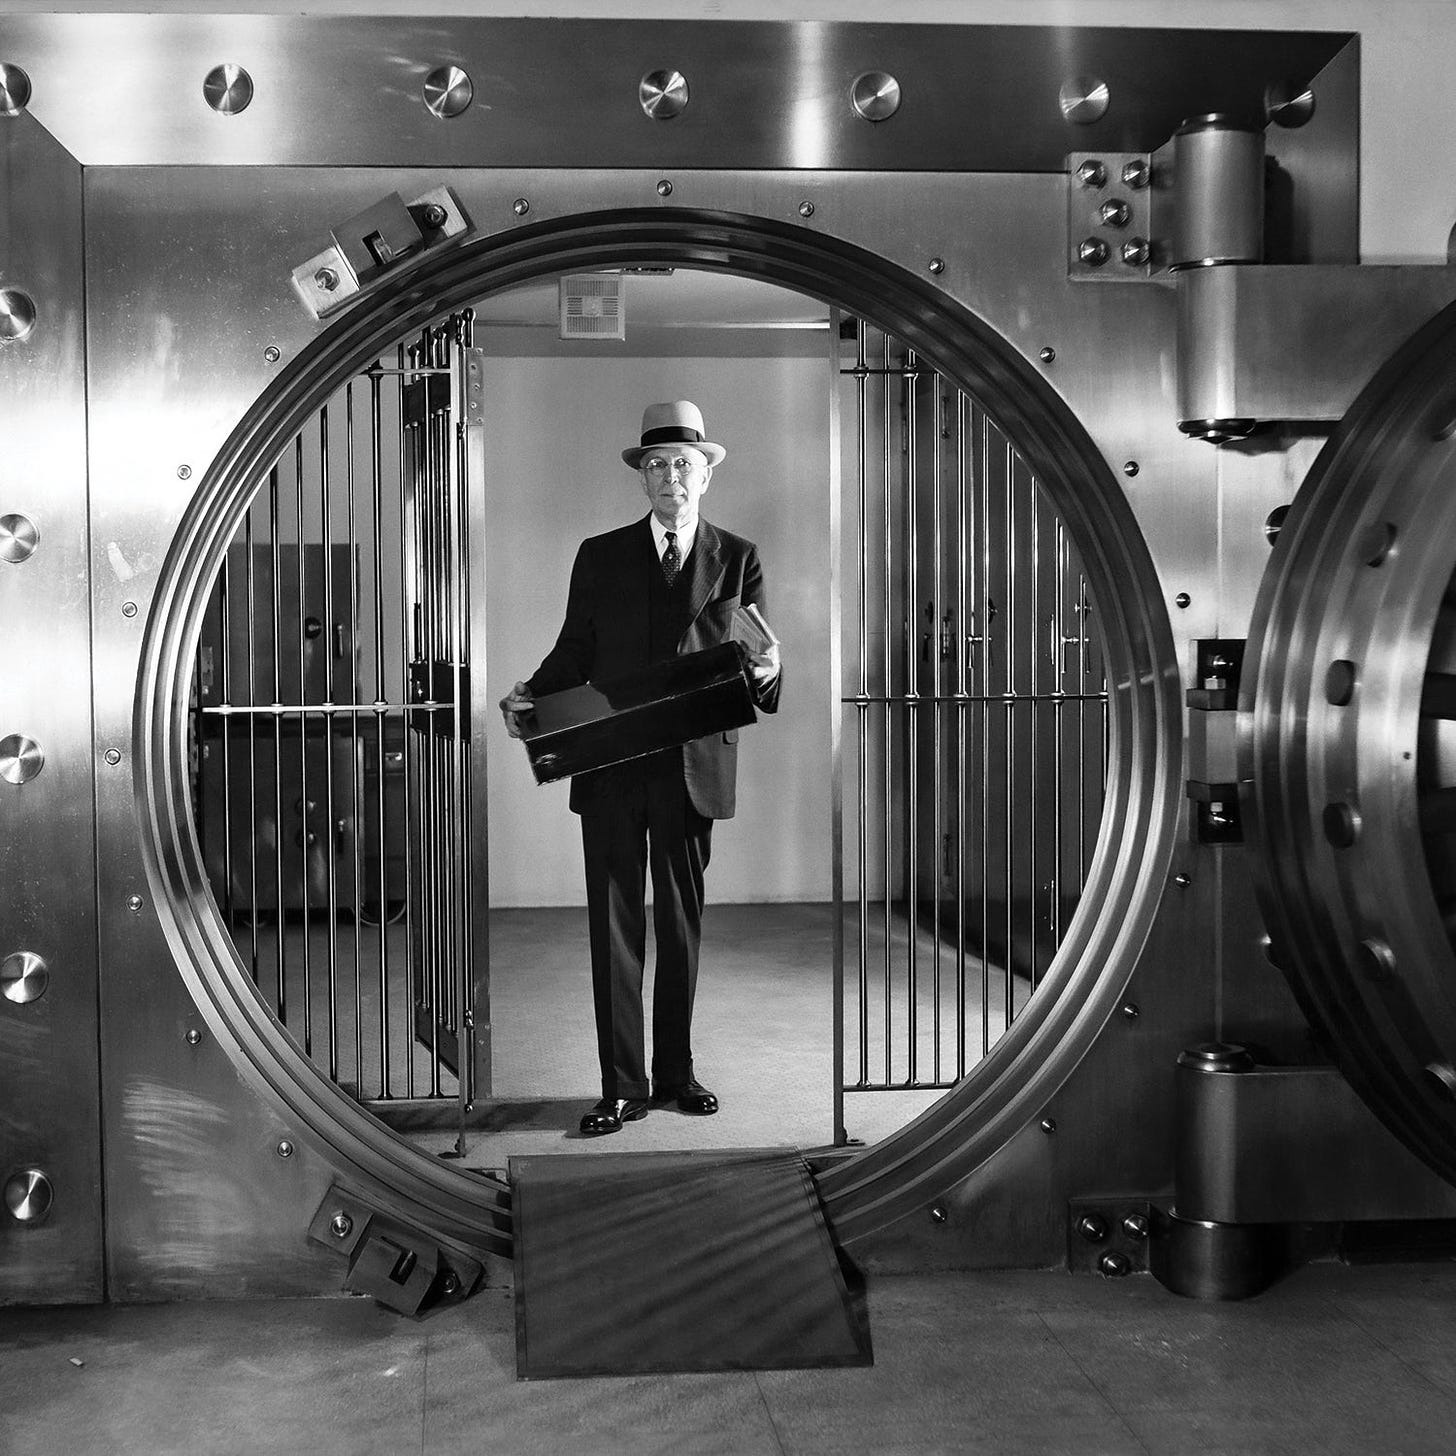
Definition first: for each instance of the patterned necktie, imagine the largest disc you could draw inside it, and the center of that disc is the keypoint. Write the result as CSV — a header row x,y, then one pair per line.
x,y
671,558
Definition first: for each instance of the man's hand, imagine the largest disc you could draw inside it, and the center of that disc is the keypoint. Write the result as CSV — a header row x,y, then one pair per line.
x,y
764,665
514,706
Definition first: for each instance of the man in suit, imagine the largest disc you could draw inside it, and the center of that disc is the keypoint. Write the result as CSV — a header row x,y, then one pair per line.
x,y
666,584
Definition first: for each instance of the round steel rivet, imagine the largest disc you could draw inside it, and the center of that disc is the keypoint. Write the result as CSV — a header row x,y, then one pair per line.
x,y
134,904
1048,1125
875,95
14,89
1135,1226
193,1036
448,91
1092,1227
806,209
936,265
938,1213
1340,682
664,188
272,354
451,1285
228,89
21,758
1376,959
1182,881
1182,600
1135,252
1114,213
1274,523
19,536
1113,1265
521,206
1130,468
17,314
1287,105
1047,354
1342,824
1375,543
1131,1011
113,756
29,1195
24,977
128,609
1083,99
1136,174
1093,252
184,472
341,1225
285,1148
1092,173
326,279
663,94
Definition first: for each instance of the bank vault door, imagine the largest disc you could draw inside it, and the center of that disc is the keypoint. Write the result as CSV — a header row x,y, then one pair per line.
x,y
973,726
340,799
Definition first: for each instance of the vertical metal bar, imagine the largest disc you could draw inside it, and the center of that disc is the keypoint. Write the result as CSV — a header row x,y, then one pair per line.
x,y
356,757
277,641
887,672
411,647
910,618
937,822
962,635
984,681
862,714
376,468
1059,639
1009,879
331,925
300,549
253,840
223,677
836,727
1032,715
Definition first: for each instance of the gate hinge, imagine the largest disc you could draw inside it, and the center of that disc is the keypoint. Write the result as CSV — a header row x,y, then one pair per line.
x,y
378,241
1218,665
433,683
402,1267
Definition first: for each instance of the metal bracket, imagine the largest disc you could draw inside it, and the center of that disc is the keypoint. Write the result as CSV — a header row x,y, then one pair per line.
x,y
1216,815
433,682
1109,217
376,242
399,1266
1218,663
1108,1236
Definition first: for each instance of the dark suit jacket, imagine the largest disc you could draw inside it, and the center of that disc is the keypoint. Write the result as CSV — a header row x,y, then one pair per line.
x,y
606,632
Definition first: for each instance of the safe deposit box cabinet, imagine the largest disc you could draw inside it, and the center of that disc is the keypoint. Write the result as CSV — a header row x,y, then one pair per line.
x,y
1142,639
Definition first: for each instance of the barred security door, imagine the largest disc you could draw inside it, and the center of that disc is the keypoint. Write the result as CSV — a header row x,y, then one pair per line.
x,y
973,726
340,801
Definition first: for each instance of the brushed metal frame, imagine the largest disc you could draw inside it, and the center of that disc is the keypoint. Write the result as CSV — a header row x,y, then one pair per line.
x,y
1124,882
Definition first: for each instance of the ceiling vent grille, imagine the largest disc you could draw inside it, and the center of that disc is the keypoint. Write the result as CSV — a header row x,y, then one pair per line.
x,y
592,306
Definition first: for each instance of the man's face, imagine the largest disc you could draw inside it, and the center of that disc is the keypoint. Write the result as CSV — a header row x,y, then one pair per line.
x,y
674,480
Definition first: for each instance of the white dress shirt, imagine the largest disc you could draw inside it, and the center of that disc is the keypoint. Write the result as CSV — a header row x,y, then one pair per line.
x,y
684,536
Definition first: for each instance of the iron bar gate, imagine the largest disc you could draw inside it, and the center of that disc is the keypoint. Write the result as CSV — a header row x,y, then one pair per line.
x,y
973,728
340,803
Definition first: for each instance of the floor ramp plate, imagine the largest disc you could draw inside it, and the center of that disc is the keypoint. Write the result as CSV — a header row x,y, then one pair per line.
x,y
639,1263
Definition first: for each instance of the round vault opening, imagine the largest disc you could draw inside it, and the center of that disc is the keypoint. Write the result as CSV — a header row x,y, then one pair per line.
x,y
1079,986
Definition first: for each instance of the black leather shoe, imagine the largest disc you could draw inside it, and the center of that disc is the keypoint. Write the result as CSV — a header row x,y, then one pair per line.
x,y
610,1113
691,1097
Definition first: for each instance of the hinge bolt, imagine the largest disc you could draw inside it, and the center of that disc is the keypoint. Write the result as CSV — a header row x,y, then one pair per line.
x,y
341,1225
327,279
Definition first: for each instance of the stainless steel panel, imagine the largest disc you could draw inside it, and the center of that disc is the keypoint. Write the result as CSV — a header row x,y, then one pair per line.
x,y
566,93
49,1112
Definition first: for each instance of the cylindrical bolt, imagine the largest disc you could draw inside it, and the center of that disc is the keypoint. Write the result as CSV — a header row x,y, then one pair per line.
x,y
1092,252
806,209
938,1213
128,609
433,215
272,354
450,1285
1092,174
285,1148
1136,174
664,188
1092,1227
521,206
193,1036
1130,468
1131,1010
134,904
1047,354
184,472
1114,213
1136,252
936,265
113,756
1113,1265
327,279
341,1225
1182,881
1135,1225
1182,600
1048,1125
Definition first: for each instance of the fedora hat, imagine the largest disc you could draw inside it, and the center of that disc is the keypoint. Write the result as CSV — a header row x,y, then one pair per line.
x,y
679,422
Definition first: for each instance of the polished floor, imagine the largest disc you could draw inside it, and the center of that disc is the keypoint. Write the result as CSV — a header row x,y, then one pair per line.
x,y
1336,1361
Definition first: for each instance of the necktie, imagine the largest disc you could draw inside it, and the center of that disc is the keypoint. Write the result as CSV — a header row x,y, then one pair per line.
x,y
671,558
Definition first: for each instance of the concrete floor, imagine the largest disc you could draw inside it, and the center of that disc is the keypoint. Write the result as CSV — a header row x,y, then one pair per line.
x,y
1335,1360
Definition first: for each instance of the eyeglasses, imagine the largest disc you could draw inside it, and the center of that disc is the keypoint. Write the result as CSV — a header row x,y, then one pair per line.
x,y
656,465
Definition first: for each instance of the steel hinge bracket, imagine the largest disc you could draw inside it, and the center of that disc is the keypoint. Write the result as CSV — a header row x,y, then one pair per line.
x,y
1108,1236
402,1267
376,244
1218,663
1217,818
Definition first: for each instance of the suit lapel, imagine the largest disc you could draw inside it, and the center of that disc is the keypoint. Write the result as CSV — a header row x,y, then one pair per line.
x,y
704,568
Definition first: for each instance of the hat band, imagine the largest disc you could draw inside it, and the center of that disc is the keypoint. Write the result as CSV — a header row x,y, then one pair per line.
x,y
671,434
